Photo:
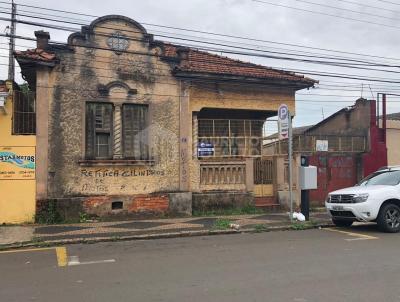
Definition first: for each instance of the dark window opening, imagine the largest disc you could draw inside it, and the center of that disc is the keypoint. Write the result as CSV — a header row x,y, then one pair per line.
x,y
117,205
24,113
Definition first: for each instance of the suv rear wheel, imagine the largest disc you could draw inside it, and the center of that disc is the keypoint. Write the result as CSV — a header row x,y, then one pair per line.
x,y
389,218
342,222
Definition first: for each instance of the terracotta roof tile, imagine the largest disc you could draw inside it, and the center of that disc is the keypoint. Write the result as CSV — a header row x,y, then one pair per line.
x,y
204,62
36,54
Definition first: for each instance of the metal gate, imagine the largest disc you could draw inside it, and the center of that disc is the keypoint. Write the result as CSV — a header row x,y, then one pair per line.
x,y
263,177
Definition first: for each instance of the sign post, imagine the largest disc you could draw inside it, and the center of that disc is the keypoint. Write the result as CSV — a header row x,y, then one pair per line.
x,y
285,132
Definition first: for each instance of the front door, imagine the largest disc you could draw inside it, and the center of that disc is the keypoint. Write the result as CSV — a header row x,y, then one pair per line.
x,y
263,177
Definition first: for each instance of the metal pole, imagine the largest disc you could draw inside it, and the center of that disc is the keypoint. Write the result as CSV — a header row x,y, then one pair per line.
x,y
384,117
290,151
11,64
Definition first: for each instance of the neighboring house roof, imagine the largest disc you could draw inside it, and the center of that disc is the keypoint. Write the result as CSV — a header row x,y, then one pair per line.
x,y
393,116
36,54
3,86
204,62
295,131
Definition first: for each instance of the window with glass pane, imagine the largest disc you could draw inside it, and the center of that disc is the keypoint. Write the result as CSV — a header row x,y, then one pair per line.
x,y
135,139
99,120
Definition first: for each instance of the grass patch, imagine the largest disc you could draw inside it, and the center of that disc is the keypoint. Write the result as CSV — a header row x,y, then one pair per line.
x,y
298,226
246,210
258,228
221,224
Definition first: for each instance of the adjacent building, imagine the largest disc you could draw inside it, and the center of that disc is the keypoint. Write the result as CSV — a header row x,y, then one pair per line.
x,y
346,147
17,154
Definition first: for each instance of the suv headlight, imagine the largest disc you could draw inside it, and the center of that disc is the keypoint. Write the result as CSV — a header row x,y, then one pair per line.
x,y
360,198
328,199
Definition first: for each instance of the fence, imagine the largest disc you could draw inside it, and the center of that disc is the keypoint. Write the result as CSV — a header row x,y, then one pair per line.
x,y
222,173
308,143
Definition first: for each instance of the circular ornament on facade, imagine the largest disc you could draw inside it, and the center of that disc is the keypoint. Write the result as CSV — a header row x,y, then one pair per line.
x,y
118,42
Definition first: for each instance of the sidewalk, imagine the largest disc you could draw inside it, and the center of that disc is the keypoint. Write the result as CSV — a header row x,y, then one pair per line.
x,y
31,235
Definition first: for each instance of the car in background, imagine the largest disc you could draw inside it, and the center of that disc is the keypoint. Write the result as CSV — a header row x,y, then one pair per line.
x,y
374,199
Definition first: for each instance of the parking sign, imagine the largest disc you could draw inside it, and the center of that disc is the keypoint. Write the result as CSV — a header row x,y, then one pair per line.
x,y
283,121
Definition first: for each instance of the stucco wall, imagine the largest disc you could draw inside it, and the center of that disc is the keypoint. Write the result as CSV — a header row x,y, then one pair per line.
x,y
393,142
76,80
354,122
17,197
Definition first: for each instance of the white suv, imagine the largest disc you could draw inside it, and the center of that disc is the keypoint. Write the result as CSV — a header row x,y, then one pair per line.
x,y
376,198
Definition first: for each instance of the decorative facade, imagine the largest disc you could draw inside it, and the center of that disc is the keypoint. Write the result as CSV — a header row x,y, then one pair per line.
x,y
130,125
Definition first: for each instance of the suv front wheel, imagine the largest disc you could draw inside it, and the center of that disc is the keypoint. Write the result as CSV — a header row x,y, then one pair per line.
x,y
389,218
342,222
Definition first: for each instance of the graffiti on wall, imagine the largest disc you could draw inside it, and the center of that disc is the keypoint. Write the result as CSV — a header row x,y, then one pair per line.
x,y
104,181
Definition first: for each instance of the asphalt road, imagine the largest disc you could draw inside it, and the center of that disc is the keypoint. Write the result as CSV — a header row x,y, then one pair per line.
x,y
299,266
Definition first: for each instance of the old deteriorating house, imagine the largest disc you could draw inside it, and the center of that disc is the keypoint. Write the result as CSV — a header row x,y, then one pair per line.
x,y
127,124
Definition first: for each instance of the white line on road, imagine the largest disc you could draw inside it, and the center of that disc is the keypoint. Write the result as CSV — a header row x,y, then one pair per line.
x,y
74,260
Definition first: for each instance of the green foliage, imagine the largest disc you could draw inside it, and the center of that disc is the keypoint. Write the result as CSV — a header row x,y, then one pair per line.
x,y
49,215
83,217
298,226
222,224
24,88
258,228
246,210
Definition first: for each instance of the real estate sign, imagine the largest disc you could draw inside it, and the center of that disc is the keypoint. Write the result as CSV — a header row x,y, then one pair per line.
x,y
17,163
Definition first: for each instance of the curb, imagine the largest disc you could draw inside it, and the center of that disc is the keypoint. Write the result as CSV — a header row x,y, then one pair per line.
x,y
182,234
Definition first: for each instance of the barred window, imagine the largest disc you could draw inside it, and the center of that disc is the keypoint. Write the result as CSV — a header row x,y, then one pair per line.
x,y
99,131
24,113
99,121
134,123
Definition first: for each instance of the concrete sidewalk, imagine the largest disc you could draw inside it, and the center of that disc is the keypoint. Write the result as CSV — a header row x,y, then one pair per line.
x,y
16,236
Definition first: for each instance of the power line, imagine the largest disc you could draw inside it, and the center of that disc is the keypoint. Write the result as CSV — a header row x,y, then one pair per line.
x,y
208,42
370,6
347,10
326,14
264,56
389,2
217,34
337,75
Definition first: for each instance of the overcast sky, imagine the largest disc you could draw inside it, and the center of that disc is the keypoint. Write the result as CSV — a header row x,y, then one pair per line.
x,y
264,21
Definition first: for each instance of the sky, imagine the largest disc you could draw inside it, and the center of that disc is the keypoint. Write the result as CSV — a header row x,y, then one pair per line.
x,y
296,22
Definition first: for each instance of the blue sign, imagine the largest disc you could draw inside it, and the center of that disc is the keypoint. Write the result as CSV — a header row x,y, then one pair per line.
x,y
205,149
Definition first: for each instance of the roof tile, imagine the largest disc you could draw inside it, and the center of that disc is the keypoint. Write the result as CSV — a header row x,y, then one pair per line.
x,y
205,62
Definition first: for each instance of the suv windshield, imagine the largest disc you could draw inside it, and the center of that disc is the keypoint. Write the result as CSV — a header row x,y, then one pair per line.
x,y
388,178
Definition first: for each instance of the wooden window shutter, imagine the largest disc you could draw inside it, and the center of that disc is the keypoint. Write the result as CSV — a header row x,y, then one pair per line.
x,y
90,130
99,123
135,140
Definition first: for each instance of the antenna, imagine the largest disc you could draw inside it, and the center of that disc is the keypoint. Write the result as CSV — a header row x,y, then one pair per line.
x,y
362,89
11,63
323,115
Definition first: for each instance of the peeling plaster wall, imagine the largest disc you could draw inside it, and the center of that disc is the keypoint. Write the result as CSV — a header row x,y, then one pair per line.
x,y
233,97
76,80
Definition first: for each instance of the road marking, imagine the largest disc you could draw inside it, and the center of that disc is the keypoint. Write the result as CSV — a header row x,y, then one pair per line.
x,y
74,260
61,253
27,250
357,235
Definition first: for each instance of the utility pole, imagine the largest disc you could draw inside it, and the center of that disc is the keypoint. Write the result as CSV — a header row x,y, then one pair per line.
x,y
11,64
290,154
